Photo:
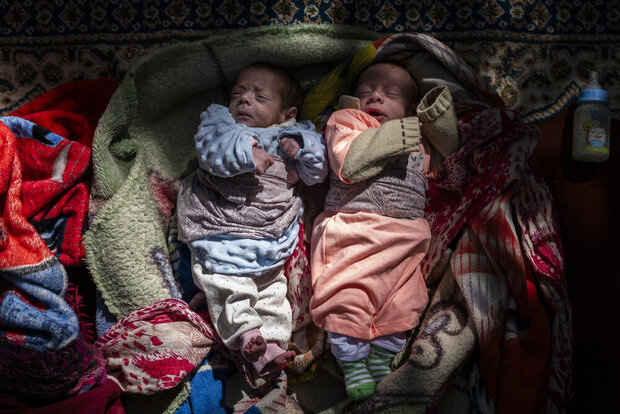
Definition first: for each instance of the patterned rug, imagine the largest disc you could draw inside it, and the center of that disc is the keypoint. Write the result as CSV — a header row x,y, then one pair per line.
x,y
536,53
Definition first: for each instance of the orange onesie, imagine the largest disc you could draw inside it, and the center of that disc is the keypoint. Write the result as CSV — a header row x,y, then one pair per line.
x,y
366,264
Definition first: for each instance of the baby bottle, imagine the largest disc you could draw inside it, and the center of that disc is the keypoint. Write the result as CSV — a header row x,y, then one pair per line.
x,y
592,123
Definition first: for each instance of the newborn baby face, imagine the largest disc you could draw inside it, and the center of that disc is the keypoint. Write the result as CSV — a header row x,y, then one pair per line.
x,y
386,92
256,99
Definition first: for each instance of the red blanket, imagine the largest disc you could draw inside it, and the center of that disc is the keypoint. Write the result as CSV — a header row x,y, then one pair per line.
x,y
44,189
57,205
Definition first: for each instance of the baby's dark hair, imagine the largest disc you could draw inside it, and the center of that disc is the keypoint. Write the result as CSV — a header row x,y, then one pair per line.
x,y
292,93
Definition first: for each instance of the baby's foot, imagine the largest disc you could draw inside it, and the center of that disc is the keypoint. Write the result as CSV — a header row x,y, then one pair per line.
x,y
358,381
254,348
378,362
284,358
278,363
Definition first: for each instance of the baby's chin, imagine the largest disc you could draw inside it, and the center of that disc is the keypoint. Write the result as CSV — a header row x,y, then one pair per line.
x,y
245,120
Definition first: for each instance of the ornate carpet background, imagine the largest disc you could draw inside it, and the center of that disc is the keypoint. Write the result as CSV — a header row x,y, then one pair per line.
x,y
537,53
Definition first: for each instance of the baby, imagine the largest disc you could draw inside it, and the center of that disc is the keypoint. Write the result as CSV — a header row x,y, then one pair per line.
x,y
368,243
239,212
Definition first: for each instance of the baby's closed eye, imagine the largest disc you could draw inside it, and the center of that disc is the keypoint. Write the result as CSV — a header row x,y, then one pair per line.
x,y
363,91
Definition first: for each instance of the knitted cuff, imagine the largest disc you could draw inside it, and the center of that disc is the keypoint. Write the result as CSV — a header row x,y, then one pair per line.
x,y
439,120
434,104
407,130
395,137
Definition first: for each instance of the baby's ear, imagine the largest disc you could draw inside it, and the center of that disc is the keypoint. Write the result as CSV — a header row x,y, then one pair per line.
x,y
412,109
290,112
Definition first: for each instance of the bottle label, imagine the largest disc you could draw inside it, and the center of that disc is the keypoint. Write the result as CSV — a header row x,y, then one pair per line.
x,y
593,136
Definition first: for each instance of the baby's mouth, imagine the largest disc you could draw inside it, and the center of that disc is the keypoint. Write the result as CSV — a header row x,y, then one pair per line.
x,y
375,113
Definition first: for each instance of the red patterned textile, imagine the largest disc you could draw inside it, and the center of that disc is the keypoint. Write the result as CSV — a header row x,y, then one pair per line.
x,y
70,111
33,375
491,193
153,348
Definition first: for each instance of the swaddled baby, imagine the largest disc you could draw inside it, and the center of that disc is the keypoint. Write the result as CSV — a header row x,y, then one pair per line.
x,y
368,244
239,211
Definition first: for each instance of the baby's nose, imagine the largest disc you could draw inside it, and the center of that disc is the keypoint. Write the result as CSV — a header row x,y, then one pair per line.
x,y
244,98
376,96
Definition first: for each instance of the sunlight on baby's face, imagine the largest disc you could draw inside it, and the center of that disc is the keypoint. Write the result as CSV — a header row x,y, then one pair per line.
x,y
386,92
256,99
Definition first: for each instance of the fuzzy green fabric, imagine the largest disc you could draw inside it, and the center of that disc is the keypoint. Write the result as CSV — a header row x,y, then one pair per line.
x,y
144,145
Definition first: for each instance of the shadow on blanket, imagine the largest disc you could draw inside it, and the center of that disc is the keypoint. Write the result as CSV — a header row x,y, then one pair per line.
x,y
497,332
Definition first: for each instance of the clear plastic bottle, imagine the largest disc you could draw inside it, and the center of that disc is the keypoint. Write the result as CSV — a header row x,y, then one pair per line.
x,y
592,123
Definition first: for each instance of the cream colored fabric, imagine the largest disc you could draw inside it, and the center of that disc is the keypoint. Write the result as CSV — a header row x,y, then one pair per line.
x,y
238,304
364,158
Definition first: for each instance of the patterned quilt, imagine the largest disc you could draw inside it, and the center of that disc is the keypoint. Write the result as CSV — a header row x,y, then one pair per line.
x,y
537,54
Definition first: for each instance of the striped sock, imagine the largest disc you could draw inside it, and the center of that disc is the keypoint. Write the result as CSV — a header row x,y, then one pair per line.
x,y
378,362
357,380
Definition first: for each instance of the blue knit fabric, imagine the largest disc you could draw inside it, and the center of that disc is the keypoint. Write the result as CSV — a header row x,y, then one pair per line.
x,y
226,254
224,147
35,304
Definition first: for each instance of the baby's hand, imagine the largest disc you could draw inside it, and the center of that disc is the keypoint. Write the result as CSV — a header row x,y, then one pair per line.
x,y
291,174
262,160
290,146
